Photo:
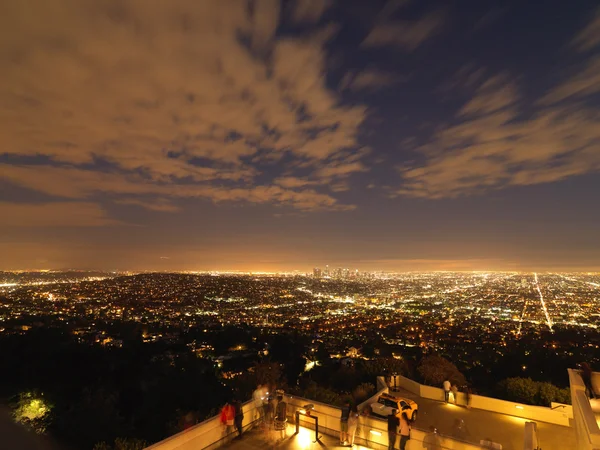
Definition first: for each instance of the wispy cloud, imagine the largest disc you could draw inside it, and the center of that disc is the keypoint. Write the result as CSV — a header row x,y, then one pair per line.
x,y
159,204
370,79
490,147
54,214
308,11
405,34
494,94
589,37
582,84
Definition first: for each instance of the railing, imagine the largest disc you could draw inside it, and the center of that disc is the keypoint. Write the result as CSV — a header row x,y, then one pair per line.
x,y
586,427
558,416
371,431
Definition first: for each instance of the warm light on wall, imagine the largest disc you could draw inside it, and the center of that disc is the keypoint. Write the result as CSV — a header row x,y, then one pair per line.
x,y
518,407
376,433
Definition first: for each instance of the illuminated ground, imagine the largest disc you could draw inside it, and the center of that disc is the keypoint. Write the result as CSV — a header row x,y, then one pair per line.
x,y
504,429
595,403
305,440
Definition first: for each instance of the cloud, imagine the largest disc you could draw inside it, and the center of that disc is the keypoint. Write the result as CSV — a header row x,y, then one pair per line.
x,y
308,11
370,79
77,183
293,182
582,84
492,147
343,169
493,95
161,205
589,37
405,34
139,97
467,76
53,214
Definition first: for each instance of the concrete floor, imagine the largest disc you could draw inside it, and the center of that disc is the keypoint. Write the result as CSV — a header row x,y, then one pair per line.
x,y
501,428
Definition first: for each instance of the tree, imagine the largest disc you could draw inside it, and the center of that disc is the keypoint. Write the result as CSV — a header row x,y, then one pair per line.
x,y
382,367
522,390
130,444
321,394
525,390
122,444
435,370
362,392
33,411
268,373
322,354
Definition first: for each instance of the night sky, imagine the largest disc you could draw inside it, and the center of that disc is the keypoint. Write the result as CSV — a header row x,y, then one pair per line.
x,y
267,135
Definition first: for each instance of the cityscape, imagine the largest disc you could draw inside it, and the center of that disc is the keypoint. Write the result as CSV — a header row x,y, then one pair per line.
x,y
434,312
299,224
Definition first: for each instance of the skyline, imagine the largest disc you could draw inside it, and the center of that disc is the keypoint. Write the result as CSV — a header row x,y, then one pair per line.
x,y
283,135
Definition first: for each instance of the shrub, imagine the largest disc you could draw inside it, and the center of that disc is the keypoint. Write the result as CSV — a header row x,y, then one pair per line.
x,y
525,390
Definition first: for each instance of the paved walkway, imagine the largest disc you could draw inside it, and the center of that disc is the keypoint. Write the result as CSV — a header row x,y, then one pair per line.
x,y
504,429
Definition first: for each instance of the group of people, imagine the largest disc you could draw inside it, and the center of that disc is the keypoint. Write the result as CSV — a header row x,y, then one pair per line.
x,y
398,426
452,388
271,412
232,416
348,424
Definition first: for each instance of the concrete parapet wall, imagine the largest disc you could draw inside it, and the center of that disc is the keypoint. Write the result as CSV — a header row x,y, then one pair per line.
x,y
538,413
586,427
559,416
206,435
409,385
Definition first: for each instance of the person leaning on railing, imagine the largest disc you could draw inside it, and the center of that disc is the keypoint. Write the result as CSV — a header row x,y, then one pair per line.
x,y
586,376
228,417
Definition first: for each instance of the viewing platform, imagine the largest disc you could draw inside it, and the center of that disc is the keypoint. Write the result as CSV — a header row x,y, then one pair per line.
x,y
489,424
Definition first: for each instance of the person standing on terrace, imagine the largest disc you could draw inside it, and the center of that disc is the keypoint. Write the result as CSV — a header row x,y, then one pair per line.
x,y
454,390
344,423
446,385
352,424
257,397
393,423
239,417
404,431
